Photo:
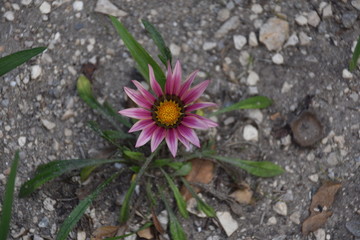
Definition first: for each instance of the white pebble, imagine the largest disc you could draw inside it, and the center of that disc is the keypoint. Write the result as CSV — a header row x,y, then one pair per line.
x,y
313,18
78,6
272,221
15,6
278,59
26,2
22,141
304,38
286,87
250,133
256,115
67,132
293,40
347,74
9,15
252,78
280,208
256,8
35,71
320,234
47,124
301,20
239,41
45,8
314,178
227,222
295,217
81,235
49,204
175,49
327,11
253,42
209,45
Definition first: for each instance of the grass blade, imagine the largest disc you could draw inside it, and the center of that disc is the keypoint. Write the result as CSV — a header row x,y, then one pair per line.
x,y
125,208
355,56
140,55
49,171
11,61
165,54
257,102
80,209
8,199
180,201
260,169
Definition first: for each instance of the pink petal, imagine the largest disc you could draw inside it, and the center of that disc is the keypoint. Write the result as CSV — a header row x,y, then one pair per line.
x,y
186,85
169,79
194,122
200,105
189,134
172,141
157,137
153,83
144,92
145,135
141,124
208,122
194,93
184,141
137,113
173,86
137,98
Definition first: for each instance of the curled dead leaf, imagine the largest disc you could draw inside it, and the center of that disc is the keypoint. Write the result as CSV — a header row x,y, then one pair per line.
x,y
157,223
104,231
314,222
145,233
202,171
243,195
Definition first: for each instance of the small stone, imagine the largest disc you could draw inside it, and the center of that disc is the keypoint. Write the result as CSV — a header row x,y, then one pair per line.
x,y
301,20
239,41
256,8
278,59
45,8
227,222
175,49
349,18
163,219
49,204
307,129
295,217
280,208
332,159
22,141
244,58
229,121
356,4
304,39
223,15
250,133
67,132
81,235
274,33
15,6
320,234
327,11
231,24
353,227
209,45
286,87
26,2
354,96
256,115
108,8
37,237
292,41
314,178
272,221
347,74
9,15
43,223
78,6
47,124
313,18
35,71
252,78
253,42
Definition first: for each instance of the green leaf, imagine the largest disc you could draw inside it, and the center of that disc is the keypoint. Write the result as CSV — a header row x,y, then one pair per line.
x,y
108,134
138,156
150,195
110,111
49,171
146,225
165,55
201,205
176,231
140,55
11,61
86,171
125,208
257,102
183,170
355,56
80,209
8,199
260,169
161,162
178,197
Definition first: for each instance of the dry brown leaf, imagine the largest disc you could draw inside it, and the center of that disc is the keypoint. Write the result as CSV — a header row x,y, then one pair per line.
x,y
243,195
319,207
145,233
157,223
314,222
104,231
202,171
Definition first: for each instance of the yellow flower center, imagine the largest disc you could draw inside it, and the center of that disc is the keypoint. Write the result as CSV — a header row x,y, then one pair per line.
x,y
168,111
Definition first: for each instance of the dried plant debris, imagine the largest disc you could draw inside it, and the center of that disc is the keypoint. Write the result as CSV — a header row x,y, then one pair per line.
x,y
202,171
307,129
319,207
104,231
243,194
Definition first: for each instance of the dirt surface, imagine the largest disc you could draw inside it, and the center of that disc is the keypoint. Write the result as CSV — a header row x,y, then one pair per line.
x,y
310,78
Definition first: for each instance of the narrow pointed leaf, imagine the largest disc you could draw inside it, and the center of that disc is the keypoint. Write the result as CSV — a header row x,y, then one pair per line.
x,y
11,61
140,55
80,209
86,171
49,171
180,201
8,199
257,102
138,156
165,56
355,56
260,169
183,170
125,208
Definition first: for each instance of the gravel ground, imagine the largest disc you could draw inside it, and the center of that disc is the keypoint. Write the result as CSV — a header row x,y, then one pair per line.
x,y
295,52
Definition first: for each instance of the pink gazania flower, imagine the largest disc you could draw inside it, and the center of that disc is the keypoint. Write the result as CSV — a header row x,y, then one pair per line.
x,y
168,114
